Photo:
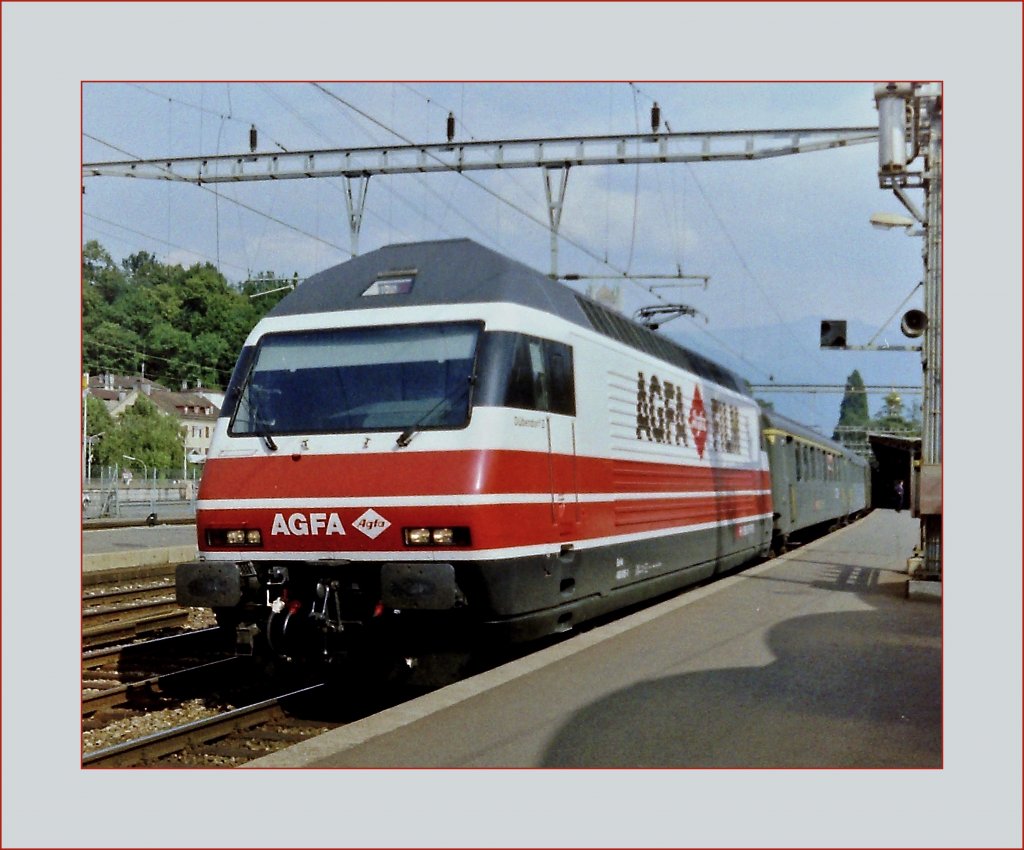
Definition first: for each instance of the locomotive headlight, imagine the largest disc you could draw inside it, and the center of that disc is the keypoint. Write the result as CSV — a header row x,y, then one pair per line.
x,y
417,536
448,536
234,537
442,536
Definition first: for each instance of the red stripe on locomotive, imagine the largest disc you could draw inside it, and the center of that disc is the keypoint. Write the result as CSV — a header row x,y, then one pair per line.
x,y
492,526
469,472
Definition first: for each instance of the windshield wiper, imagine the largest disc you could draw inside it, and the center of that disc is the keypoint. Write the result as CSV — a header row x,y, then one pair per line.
x,y
406,436
262,427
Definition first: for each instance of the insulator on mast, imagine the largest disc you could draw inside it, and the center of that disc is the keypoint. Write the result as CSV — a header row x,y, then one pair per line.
x,y
252,138
655,117
451,126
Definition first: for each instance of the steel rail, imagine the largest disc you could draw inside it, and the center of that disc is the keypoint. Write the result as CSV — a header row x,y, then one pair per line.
x,y
159,744
123,629
120,694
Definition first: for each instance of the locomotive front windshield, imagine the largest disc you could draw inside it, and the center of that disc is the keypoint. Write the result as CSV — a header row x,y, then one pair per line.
x,y
359,379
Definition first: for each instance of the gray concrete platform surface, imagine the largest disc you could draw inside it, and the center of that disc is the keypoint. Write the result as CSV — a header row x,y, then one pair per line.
x,y
136,546
815,659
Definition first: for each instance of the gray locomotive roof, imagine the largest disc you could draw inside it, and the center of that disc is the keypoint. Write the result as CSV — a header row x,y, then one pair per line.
x,y
455,271
460,271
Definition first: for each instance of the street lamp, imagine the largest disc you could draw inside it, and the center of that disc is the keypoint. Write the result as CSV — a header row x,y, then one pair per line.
x,y
889,221
92,438
145,469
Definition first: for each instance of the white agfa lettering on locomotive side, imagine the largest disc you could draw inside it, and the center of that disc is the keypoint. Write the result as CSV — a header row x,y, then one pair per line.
x,y
302,525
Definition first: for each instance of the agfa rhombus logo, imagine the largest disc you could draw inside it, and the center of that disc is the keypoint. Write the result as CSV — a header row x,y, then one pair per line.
x,y
371,523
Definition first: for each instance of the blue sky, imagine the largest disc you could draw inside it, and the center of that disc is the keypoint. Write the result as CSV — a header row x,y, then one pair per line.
x,y
783,240
795,231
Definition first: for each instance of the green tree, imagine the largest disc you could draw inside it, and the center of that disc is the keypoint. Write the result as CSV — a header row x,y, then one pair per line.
x,y
183,324
854,418
147,435
100,276
110,347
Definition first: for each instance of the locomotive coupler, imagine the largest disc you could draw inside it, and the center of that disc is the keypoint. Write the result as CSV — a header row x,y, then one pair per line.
x,y
328,615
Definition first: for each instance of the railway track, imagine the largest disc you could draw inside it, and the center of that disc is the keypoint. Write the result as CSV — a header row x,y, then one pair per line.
x,y
118,610
226,739
142,674
174,701
112,657
190,717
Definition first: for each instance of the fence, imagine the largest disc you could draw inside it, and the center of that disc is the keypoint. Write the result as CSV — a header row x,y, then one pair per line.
x,y
121,492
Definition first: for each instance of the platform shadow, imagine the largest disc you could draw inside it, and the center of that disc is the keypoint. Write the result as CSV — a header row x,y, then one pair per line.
x,y
850,689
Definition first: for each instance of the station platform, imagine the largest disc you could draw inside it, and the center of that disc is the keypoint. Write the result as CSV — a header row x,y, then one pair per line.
x,y
136,547
815,659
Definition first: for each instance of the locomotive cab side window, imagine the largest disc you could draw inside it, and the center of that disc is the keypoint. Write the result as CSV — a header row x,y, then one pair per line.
x,y
526,372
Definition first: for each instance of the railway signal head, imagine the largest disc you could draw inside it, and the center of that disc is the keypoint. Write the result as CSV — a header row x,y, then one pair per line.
x,y
833,333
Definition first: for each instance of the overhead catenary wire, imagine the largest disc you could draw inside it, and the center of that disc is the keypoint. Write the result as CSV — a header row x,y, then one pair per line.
x,y
895,312
161,241
245,206
636,185
307,123
204,110
475,182
488,237
593,255
512,176
743,263
544,225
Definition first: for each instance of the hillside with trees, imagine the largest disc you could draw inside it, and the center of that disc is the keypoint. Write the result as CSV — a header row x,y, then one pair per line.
x,y
170,324
175,324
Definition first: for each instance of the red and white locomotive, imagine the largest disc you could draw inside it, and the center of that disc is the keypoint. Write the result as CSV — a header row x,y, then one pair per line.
x,y
433,442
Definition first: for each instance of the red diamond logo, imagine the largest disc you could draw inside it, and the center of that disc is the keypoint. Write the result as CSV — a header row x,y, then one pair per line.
x,y
698,423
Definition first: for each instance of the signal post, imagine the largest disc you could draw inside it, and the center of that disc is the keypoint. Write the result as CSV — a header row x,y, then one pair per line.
x,y
910,127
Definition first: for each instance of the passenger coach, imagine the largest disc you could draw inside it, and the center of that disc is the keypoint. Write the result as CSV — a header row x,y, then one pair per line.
x,y
815,481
